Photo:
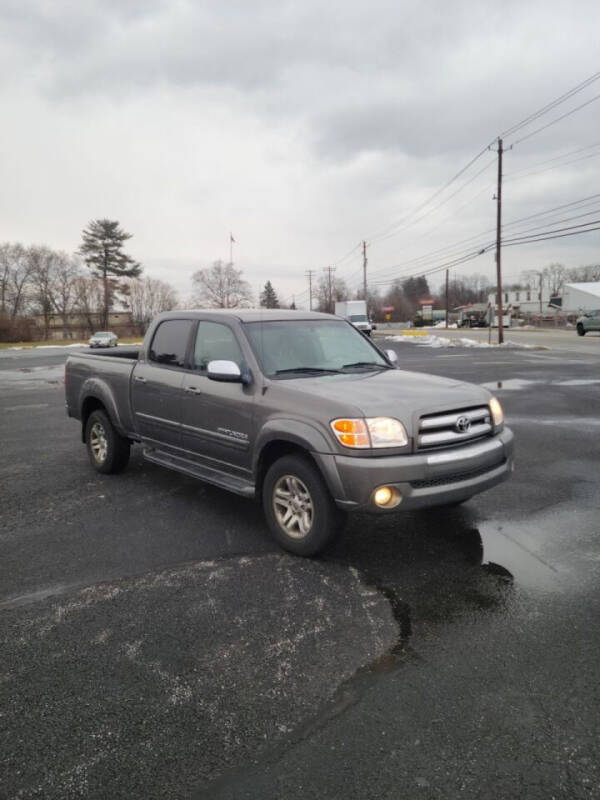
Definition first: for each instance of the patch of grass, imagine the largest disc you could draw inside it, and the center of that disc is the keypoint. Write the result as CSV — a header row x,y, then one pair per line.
x,y
63,342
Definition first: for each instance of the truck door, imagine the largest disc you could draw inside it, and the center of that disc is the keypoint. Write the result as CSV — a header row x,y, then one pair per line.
x,y
217,418
157,384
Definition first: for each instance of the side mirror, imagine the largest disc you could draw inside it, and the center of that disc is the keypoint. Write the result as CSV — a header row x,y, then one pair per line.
x,y
374,327
225,371
392,356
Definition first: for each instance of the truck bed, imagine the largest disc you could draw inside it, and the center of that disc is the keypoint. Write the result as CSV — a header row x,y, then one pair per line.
x,y
107,375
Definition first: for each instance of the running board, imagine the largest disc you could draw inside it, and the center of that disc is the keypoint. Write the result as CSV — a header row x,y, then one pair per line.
x,y
222,479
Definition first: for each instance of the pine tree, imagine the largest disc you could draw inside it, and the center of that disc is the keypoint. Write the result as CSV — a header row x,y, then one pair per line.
x,y
102,250
268,297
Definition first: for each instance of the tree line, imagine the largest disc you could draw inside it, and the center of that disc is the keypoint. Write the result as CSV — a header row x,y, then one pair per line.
x,y
38,281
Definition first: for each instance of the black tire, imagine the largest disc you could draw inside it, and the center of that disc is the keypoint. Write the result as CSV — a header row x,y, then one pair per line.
x,y
326,519
114,457
580,330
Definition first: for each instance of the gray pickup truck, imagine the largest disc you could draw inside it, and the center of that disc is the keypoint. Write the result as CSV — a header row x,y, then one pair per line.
x,y
297,409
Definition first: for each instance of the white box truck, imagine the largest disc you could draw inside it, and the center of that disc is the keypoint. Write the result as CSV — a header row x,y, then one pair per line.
x,y
355,311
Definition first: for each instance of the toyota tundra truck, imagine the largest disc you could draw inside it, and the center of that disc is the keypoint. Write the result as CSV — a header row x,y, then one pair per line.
x,y
296,409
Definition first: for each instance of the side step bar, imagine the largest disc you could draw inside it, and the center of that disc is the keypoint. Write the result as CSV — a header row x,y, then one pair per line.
x,y
230,482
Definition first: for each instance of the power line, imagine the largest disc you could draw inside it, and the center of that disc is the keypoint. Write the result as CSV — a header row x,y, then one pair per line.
x,y
423,205
556,158
399,227
549,106
450,250
533,236
554,121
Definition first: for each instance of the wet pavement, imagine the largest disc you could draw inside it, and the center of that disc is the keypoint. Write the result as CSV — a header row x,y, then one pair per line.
x,y
157,644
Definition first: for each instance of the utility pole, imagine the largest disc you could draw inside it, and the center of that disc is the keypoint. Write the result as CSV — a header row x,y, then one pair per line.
x,y
329,271
364,249
309,273
541,274
447,294
499,244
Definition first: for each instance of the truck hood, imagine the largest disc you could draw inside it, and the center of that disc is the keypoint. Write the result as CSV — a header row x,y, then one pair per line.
x,y
393,393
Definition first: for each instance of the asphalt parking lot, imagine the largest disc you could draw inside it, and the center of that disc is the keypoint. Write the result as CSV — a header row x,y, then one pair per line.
x,y
156,643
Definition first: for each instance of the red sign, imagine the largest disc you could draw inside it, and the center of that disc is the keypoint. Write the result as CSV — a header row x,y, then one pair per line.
x,y
388,308
426,301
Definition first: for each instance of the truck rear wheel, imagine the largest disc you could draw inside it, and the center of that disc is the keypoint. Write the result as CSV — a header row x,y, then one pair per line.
x,y
298,506
108,451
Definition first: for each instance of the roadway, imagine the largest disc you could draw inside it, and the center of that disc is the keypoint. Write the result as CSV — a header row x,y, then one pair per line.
x,y
156,643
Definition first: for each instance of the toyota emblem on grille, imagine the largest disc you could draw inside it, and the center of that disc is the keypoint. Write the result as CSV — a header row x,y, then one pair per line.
x,y
463,424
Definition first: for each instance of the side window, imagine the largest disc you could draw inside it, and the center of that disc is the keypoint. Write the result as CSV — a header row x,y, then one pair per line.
x,y
169,343
215,342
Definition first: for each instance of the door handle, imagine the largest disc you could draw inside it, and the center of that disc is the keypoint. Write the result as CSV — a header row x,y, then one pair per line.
x,y
193,390
139,379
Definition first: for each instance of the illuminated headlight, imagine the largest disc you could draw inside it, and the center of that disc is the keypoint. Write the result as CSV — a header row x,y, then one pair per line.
x,y
496,412
370,432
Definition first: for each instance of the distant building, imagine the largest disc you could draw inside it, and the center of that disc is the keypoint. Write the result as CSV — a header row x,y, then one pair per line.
x,y
524,301
81,326
581,297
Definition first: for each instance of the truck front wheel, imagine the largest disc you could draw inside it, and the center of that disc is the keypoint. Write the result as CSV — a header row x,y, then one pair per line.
x,y
298,506
580,329
108,451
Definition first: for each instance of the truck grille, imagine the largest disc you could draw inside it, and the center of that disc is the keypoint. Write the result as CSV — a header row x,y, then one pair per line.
x,y
454,427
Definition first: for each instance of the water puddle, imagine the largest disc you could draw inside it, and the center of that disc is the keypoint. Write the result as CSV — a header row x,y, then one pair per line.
x,y
514,548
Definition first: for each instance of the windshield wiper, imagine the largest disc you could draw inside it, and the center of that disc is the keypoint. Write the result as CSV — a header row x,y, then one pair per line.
x,y
372,364
308,370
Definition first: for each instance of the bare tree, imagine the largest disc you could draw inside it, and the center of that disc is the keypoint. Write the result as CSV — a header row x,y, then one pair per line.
x,y
66,273
591,272
328,294
554,278
89,298
41,266
148,297
15,276
221,286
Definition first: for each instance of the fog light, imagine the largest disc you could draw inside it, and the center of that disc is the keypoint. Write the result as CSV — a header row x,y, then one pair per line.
x,y
387,497
383,496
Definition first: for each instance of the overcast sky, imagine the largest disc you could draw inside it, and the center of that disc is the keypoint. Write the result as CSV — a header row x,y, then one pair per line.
x,y
303,127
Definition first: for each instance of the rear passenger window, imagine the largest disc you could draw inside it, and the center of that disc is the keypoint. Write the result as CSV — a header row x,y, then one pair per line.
x,y
215,342
169,343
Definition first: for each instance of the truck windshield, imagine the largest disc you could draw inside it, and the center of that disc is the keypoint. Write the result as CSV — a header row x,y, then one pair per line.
x,y
357,318
305,348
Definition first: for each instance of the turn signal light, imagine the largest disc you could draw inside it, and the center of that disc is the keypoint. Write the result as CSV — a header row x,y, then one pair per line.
x,y
351,432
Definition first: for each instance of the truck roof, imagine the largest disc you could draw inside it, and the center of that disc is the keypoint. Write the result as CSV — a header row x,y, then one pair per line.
x,y
248,314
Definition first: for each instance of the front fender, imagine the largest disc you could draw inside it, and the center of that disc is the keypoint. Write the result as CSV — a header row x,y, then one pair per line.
x,y
309,438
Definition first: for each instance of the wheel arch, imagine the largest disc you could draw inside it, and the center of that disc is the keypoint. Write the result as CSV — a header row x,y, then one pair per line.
x,y
310,443
96,396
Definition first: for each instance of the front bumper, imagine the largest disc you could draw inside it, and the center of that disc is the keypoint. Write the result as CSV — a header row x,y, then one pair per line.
x,y
427,479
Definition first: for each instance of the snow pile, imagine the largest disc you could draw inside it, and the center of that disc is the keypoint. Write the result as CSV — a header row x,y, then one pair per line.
x,y
444,341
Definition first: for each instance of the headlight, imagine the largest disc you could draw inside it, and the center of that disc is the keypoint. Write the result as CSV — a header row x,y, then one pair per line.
x,y
496,411
370,432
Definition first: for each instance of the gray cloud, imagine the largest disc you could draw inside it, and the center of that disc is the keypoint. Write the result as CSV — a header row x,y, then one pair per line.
x,y
304,125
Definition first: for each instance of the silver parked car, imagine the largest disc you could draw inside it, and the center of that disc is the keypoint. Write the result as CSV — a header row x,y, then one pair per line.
x,y
103,339
590,321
